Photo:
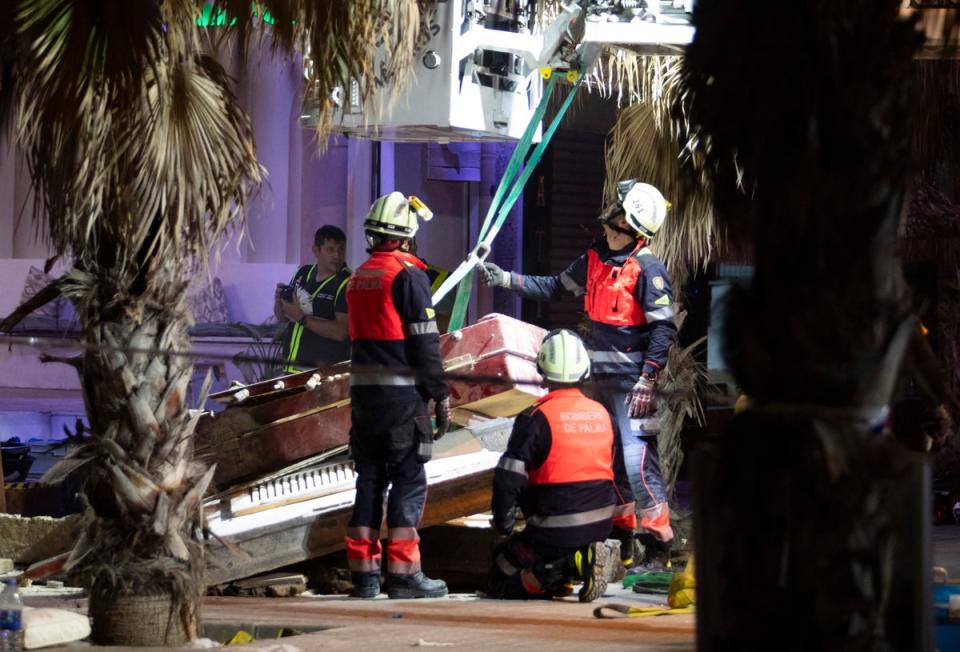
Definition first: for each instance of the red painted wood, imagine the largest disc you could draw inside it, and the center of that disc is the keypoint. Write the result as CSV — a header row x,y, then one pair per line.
x,y
272,429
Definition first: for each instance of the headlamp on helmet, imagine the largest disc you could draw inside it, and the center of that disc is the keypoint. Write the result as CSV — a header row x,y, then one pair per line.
x,y
394,217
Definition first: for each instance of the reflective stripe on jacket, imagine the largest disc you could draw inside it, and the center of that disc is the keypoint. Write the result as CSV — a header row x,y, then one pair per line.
x,y
392,327
559,468
629,301
581,440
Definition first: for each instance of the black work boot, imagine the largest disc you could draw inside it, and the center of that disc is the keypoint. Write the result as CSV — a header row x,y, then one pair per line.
x,y
365,585
624,536
656,554
590,564
414,585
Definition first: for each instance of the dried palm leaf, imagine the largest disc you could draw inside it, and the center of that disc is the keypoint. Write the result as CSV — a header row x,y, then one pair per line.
x,y
682,381
649,142
8,58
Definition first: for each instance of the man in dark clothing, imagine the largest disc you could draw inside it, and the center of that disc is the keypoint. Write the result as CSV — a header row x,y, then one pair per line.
x,y
559,468
396,371
314,306
628,300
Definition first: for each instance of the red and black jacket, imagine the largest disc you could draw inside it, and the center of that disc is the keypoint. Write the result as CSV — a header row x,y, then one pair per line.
x,y
392,329
629,302
560,468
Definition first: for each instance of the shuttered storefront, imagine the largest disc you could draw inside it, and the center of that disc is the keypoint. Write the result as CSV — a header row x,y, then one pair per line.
x,y
561,205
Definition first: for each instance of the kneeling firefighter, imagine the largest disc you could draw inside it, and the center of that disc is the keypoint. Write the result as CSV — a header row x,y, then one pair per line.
x,y
629,303
559,468
393,333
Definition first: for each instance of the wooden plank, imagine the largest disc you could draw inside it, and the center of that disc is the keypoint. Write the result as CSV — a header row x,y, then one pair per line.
x,y
271,429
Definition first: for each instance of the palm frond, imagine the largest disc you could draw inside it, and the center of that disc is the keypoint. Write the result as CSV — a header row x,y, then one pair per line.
x,y
682,381
149,159
8,59
141,160
650,142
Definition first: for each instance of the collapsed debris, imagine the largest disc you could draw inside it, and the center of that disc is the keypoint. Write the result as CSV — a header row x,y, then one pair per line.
x,y
285,481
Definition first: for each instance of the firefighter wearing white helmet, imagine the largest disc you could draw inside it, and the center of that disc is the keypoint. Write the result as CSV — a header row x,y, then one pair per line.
x,y
563,359
396,369
629,302
394,217
644,207
564,469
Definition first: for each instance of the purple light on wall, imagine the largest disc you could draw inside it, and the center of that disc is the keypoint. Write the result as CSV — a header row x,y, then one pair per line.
x,y
508,252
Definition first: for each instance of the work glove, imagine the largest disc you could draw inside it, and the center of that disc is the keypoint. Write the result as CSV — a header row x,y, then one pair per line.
x,y
640,398
492,276
442,415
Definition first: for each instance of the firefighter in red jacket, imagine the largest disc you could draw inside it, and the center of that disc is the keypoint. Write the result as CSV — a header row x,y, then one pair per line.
x,y
559,469
629,303
397,370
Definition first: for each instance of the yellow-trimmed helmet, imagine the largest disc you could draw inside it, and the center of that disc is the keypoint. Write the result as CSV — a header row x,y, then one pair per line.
x,y
395,216
563,358
644,205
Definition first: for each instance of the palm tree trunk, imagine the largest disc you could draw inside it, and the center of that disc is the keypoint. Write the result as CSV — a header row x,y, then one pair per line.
x,y
142,489
810,526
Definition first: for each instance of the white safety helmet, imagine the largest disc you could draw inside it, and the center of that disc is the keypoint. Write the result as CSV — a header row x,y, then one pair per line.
x,y
563,358
644,205
395,216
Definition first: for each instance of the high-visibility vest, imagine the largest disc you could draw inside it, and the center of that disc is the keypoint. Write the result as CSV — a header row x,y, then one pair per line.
x,y
373,315
581,440
610,296
296,334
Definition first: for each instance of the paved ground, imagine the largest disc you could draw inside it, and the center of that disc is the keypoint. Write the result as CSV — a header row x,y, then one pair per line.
x,y
468,623
460,622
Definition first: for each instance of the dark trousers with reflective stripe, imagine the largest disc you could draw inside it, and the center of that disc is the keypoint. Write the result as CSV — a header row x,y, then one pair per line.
x,y
523,570
640,456
384,441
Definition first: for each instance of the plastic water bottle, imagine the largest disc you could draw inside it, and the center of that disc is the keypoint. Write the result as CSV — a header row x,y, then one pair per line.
x,y
11,617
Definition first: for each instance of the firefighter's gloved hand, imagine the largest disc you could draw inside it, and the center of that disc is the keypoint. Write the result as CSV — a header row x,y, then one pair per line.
x,y
442,414
492,276
640,398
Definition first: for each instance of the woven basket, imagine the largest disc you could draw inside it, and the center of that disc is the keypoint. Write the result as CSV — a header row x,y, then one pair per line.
x,y
138,620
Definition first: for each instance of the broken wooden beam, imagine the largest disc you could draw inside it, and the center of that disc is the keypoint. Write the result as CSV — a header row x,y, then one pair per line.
x,y
288,534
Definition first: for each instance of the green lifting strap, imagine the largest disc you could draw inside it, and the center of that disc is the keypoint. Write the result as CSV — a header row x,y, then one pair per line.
x,y
489,230
519,153
465,287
